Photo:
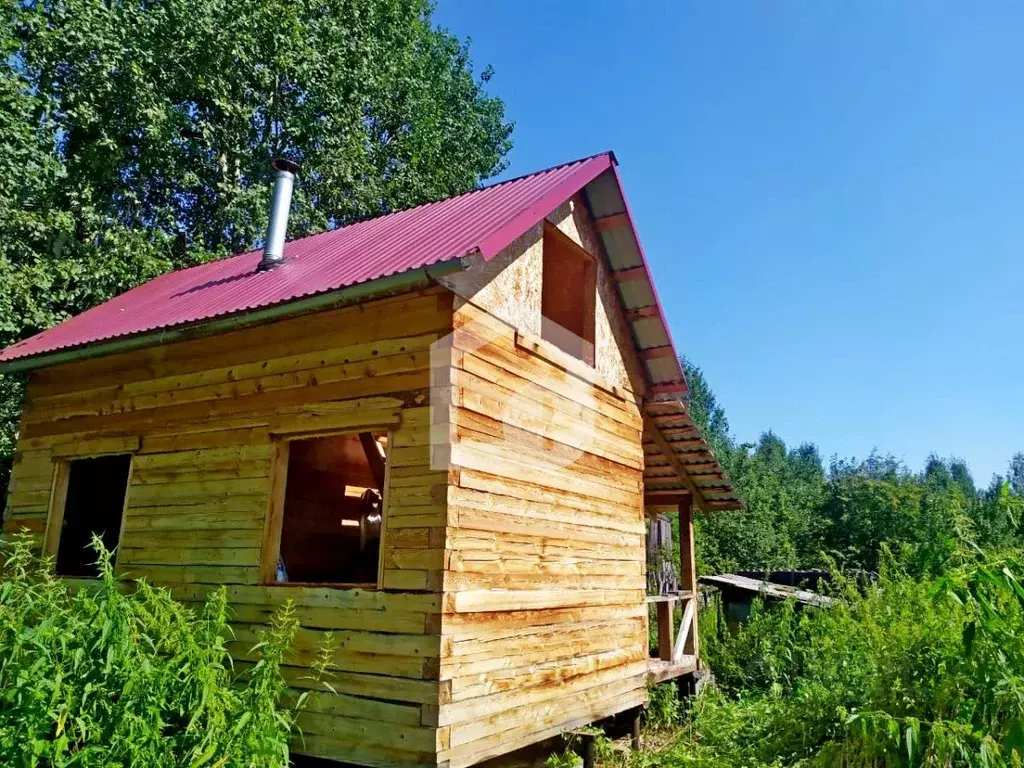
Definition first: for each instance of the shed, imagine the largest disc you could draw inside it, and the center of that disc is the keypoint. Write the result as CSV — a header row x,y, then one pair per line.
x,y
437,432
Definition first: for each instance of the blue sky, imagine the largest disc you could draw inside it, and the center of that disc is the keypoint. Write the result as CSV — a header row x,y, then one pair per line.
x,y
829,194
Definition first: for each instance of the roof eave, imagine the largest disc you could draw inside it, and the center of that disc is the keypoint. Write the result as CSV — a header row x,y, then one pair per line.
x,y
402,282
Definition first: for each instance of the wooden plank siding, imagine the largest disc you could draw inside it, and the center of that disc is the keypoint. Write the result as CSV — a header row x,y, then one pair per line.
x,y
545,621
511,594
201,417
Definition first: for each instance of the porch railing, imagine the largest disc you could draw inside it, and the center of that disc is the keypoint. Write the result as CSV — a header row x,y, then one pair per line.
x,y
673,645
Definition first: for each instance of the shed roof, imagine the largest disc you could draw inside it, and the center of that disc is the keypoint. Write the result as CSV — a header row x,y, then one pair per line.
x,y
482,222
734,581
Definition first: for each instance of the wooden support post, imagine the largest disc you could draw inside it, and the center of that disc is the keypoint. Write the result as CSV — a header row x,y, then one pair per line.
x,y
666,630
635,736
589,752
686,686
688,568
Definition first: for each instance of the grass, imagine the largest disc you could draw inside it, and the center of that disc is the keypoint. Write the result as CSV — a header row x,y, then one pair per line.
x,y
904,673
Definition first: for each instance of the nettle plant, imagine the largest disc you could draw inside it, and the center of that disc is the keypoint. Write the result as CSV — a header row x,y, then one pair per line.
x,y
101,675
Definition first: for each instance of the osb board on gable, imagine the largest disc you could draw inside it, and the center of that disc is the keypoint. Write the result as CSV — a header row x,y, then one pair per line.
x,y
509,287
614,352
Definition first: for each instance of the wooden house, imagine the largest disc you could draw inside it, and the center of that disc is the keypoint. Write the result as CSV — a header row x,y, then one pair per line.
x,y
437,432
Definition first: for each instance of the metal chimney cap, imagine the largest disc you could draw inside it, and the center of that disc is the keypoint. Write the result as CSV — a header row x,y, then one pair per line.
x,y
284,164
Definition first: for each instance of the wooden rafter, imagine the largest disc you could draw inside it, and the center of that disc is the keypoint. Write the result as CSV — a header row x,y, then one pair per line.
x,y
654,352
652,429
628,275
614,221
374,457
641,312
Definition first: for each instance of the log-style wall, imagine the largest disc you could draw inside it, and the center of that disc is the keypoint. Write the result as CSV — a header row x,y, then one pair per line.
x,y
545,617
545,623
201,418
511,604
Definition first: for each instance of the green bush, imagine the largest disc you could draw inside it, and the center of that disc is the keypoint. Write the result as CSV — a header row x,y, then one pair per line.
x,y
107,676
664,708
906,672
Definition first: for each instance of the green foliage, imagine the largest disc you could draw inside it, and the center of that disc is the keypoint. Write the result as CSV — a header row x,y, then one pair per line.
x,y
135,137
800,515
904,673
97,677
922,666
663,705
780,528
564,759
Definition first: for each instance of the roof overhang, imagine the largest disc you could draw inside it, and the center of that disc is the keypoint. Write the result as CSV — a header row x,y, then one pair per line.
x,y
678,460
424,277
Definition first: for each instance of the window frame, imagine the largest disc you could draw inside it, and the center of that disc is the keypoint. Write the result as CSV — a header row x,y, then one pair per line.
x,y
59,497
273,529
589,299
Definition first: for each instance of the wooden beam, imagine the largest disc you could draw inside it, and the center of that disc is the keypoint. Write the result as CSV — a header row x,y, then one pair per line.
x,y
690,445
703,468
665,498
270,548
686,628
641,312
55,513
681,432
688,572
374,457
669,388
651,353
628,275
614,221
666,643
722,506
666,448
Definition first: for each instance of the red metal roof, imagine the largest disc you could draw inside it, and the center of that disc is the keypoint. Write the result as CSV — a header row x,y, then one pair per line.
x,y
484,221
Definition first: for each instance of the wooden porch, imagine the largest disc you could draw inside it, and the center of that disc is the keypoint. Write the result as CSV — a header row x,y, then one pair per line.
x,y
677,651
678,646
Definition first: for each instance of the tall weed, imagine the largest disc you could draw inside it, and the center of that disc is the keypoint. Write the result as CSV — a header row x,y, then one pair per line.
x,y
104,676
904,673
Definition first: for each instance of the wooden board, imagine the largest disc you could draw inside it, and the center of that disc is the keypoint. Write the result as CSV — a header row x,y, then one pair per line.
x,y
206,420
545,619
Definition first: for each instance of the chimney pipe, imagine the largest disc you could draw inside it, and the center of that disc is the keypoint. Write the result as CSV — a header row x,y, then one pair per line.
x,y
280,203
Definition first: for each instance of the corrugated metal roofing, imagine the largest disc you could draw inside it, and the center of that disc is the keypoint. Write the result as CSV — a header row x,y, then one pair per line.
x,y
483,221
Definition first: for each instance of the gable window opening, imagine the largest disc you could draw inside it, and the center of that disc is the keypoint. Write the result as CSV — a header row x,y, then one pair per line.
x,y
93,505
568,295
332,512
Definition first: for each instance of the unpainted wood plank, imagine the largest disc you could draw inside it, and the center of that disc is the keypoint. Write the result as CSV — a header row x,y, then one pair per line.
x,y
505,742
257,407
275,596
356,707
556,501
473,700
367,322
519,600
537,715
480,626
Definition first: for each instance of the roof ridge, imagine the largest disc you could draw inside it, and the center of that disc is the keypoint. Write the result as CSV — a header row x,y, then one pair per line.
x,y
484,188
557,167
384,245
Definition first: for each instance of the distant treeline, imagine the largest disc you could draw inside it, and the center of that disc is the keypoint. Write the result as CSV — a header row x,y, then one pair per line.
x,y
802,514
